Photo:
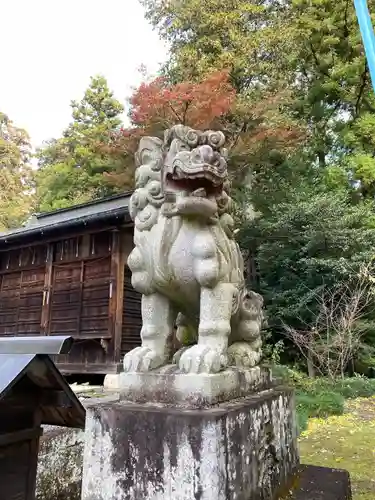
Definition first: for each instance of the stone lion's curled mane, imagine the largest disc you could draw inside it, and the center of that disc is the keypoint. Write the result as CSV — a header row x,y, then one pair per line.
x,y
148,197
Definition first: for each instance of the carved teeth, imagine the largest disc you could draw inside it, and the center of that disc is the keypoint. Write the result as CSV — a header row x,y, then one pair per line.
x,y
179,173
200,193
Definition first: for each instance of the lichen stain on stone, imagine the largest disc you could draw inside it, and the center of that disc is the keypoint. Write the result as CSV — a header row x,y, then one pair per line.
x,y
99,479
268,455
234,454
60,465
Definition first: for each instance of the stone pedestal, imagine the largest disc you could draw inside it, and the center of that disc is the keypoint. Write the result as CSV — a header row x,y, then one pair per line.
x,y
244,449
169,386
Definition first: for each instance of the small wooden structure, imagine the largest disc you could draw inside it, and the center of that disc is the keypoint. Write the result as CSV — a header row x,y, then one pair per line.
x,y
65,273
32,393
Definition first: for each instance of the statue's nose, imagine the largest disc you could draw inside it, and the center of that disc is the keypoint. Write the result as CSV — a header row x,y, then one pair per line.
x,y
206,153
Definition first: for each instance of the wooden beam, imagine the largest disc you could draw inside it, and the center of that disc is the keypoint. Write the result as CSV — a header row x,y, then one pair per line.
x,y
31,399
89,368
44,324
123,255
17,436
65,262
34,268
33,466
116,294
69,234
84,254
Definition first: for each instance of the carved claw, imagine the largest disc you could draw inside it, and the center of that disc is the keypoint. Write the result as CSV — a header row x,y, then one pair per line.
x,y
242,355
142,359
202,359
177,355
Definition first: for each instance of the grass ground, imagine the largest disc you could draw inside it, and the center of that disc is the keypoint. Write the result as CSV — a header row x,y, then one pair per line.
x,y
345,442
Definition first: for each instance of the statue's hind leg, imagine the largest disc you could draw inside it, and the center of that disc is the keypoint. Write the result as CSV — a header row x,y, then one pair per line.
x,y
210,354
246,342
186,334
157,328
244,354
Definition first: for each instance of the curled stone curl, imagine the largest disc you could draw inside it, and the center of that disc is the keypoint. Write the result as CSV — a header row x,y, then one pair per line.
x,y
146,218
215,138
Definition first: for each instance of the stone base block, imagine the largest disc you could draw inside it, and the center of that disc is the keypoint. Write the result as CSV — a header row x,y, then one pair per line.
x,y
112,382
242,450
320,483
169,386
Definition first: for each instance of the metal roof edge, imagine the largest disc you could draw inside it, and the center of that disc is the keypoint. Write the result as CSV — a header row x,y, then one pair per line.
x,y
35,229
99,201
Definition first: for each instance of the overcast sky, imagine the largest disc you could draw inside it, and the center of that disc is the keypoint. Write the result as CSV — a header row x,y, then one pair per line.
x,y
51,48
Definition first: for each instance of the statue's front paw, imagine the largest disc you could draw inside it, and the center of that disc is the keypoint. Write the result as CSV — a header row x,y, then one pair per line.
x,y
202,359
142,359
177,355
242,355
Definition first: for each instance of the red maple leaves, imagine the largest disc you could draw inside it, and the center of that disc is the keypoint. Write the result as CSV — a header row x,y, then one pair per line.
x,y
199,105
251,126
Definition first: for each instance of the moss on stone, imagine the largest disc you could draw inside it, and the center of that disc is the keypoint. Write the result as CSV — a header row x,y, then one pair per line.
x,y
345,442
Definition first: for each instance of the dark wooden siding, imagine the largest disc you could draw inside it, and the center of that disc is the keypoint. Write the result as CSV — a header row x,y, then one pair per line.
x,y
15,462
131,319
74,286
79,302
21,291
79,298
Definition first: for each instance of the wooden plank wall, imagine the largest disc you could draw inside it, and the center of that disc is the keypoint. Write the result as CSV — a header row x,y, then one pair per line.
x,y
78,298
78,286
57,288
132,318
22,274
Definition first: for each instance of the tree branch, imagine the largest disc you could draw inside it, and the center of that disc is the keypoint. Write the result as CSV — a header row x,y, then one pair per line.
x,y
361,90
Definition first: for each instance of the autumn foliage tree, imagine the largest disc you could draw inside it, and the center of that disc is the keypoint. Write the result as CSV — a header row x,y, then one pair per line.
x,y
212,102
157,105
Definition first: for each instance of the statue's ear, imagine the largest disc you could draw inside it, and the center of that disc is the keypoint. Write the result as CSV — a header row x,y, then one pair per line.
x,y
168,137
149,149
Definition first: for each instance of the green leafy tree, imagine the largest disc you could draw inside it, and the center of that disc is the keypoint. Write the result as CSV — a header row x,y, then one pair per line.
x,y
16,199
251,41
72,168
245,37
303,129
312,48
333,92
313,239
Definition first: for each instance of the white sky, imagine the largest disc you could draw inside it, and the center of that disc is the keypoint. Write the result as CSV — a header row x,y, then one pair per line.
x,y
52,47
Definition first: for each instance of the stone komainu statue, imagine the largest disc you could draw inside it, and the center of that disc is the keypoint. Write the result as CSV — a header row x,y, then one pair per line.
x,y
186,263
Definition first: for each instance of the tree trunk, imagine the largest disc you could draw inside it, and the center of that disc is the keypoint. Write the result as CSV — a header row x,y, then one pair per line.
x,y
310,366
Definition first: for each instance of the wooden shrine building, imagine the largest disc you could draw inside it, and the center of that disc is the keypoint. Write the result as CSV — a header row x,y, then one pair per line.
x,y
65,273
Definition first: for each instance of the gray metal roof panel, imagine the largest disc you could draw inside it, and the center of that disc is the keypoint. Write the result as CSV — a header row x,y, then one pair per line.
x,y
84,210
11,370
14,367
105,208
55,344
